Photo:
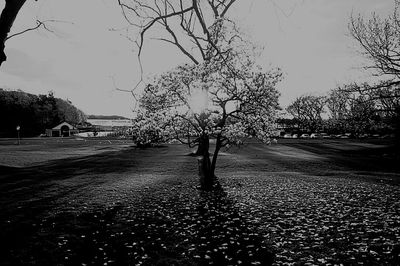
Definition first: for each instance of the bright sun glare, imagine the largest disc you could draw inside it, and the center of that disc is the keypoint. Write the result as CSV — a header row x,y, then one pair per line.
x,y
198,101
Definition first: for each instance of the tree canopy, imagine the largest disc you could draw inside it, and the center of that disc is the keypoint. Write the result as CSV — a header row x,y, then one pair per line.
x,y
379,39
34,113
343,109
221,93
193,99
307,110
227,98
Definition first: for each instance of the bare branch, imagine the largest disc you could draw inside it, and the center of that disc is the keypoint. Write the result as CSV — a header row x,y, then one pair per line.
x,y
38,25
7,17
227,7
153,21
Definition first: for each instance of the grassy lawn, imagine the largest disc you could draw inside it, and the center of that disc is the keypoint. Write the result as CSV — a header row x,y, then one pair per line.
x,y
104,202
38,150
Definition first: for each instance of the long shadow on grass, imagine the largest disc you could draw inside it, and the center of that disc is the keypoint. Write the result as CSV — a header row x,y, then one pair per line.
x,y
24,198
22,184
358,157
105,162
93,166
354,158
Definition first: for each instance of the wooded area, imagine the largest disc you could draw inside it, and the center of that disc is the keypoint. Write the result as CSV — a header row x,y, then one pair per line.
x,y
34,113
346,109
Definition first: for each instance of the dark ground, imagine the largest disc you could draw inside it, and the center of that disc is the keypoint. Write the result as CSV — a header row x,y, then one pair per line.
x,y
104,202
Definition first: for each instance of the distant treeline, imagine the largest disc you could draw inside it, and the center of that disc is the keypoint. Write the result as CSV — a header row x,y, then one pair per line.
x,y
107,117
34,113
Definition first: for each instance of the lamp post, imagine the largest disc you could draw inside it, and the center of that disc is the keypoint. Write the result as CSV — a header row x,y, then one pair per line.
x,y
18,128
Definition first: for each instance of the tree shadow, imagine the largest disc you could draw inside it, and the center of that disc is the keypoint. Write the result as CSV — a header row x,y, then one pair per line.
x,y
26,194
225,236
358,156
102,163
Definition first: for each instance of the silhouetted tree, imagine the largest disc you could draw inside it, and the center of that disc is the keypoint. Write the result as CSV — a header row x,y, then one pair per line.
x,y
227,100
201,30
7,17
379,40
308,110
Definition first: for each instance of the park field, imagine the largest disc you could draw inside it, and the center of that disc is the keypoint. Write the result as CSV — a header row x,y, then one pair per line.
x,y
76,201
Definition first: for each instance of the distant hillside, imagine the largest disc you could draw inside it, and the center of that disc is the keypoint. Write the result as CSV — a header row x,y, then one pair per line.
x,y
34,113
107,117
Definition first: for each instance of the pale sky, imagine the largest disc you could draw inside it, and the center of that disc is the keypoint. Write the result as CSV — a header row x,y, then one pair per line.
x,y
307,39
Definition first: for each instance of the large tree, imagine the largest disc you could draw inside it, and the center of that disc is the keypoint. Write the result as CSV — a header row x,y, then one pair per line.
x,y
351,111
308,110
200,30
370,108
227,99
338,103
379,40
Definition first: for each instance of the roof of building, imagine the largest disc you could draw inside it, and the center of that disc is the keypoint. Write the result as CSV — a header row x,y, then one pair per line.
x,y
58,127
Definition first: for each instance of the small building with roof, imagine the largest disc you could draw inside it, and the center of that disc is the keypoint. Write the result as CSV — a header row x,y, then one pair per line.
x,y
62,130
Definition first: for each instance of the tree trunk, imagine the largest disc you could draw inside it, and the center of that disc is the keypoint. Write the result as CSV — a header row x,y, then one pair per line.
x,y
7,17
202,147
397,133
215,155
208,180
206,174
